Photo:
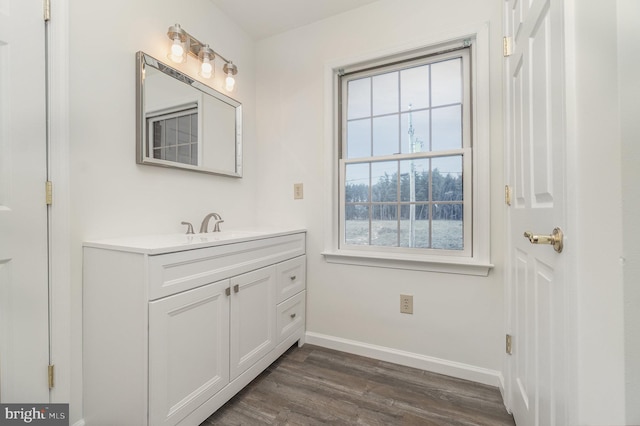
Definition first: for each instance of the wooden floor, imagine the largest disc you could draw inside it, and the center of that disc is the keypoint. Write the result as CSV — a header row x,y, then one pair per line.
x,y
317,386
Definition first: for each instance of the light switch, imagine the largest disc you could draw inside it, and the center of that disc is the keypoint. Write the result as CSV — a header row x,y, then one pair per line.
x,y
297,191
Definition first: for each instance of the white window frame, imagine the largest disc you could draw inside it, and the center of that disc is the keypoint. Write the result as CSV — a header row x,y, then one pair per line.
x,y
464,151
476,261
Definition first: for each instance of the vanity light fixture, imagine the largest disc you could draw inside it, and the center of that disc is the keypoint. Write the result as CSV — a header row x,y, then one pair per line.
x,y
230,69
183,43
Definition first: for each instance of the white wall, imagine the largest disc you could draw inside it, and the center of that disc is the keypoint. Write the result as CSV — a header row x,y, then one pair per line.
x,y
629,88
456,318
110,194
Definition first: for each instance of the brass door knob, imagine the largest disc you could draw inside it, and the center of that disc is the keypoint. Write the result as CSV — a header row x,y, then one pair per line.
x,y
555,239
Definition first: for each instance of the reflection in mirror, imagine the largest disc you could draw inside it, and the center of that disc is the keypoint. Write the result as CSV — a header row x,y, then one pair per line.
x,y
184,123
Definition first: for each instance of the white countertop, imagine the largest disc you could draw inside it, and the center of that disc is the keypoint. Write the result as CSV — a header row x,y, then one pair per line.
x,y
168,243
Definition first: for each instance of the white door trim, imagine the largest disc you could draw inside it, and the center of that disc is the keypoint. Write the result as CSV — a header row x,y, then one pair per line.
x,y
61,306
595,336
571,173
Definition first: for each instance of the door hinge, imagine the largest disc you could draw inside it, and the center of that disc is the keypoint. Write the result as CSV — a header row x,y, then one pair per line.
x,y
50,376
49,192
507,46
509,347
47,10
507,195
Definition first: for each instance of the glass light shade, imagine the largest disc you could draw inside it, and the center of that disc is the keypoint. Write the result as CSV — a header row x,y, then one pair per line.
x,y
207,64
177,51
206,68
230,69
229,83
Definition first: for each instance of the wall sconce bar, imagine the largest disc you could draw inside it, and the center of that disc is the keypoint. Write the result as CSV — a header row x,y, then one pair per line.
x,y
183,43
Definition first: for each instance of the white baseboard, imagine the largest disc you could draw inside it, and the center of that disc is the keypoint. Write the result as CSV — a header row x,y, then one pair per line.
x,y
409,359
79,423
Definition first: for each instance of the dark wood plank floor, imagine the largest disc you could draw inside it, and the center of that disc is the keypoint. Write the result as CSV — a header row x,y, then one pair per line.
x,y
318,386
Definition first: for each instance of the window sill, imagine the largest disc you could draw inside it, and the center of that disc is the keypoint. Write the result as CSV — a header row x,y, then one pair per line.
x,y
409,262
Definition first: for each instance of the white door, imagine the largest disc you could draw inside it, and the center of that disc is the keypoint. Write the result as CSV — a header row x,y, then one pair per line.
x,y
188,351
253,318
535,161
24,316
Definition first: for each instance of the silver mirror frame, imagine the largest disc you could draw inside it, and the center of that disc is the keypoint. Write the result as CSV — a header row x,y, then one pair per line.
x,y
143,61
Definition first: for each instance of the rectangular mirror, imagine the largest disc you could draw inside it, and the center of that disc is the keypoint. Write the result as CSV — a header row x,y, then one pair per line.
x,y
183,123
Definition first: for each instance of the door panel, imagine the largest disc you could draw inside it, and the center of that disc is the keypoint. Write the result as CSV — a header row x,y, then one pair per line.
x,y
545,280
535,157
24,315
517,139
540,110
522,327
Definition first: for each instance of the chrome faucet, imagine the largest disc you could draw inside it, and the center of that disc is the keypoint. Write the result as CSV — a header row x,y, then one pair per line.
x,y
205,223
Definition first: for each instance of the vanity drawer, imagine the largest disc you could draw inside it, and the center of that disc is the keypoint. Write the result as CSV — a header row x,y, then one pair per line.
x,y
173,273
291,316
291,277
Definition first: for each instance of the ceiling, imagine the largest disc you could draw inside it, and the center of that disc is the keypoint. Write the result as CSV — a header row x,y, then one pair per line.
x,y
264,18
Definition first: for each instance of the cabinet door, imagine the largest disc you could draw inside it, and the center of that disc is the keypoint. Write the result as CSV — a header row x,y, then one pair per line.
x,y
188,351
253,318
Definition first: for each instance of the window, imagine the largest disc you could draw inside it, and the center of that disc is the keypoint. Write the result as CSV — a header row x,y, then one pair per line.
x,y
411,157
174,135
405,160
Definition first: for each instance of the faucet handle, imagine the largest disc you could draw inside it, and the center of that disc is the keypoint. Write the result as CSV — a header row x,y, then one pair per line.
x,y
216,226
189,227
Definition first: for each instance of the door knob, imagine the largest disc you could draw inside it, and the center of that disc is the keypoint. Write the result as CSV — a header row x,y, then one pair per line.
x,y
555,239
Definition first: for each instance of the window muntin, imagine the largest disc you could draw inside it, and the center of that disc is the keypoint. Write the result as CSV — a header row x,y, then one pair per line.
x,y
173,135
409,120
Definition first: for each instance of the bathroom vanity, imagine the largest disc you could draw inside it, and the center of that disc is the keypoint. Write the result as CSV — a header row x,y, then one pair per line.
x,y
176,325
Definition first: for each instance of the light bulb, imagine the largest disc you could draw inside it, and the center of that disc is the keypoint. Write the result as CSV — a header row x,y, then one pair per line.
x,y
230,70
230,82
177,51
206,68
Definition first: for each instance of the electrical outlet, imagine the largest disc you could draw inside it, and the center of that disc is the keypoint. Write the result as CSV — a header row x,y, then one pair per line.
x,y
406,304
297,191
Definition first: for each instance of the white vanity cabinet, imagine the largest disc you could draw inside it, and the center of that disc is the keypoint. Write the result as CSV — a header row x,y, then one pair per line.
x,y
172,330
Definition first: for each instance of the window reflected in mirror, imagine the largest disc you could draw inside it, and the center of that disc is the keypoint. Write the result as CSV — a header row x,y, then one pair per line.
x,y
183,123
174,135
